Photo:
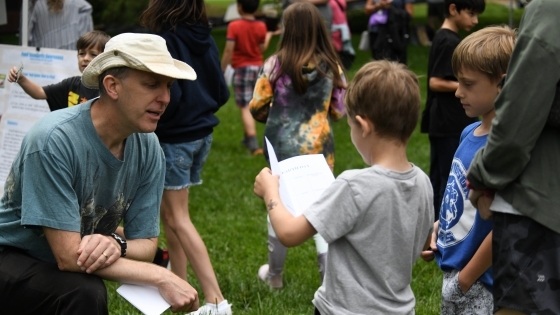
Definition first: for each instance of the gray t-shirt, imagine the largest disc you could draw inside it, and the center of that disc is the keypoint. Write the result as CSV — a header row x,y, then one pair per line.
x,y
376,222
65,178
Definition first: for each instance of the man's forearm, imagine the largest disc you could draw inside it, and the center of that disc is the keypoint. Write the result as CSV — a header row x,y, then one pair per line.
x,y
142,249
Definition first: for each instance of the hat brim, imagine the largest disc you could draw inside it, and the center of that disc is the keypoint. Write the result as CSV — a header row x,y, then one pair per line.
x,y
110,59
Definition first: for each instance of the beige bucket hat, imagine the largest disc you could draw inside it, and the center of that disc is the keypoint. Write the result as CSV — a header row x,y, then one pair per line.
x,y
144,52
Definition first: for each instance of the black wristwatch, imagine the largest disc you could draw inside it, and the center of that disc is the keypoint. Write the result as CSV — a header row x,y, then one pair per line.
x,y
121,242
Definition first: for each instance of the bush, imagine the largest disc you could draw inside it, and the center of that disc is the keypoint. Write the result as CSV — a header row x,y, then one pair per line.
x,y
357,20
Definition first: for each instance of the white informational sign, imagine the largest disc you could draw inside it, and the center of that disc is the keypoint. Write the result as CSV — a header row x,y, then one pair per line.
x,y
18,111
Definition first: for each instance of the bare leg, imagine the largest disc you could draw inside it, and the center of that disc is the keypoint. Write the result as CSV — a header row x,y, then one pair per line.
x,y
177,256
248,122
176,218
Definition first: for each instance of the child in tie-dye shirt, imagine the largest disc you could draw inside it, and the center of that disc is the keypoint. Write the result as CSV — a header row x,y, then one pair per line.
x,y
300,90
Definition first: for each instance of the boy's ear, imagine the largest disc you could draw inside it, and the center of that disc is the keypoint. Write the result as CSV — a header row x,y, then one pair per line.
x,y
453,9
501,82
365,125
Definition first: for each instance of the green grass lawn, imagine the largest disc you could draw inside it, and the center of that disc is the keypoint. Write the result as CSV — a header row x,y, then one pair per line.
x,y
232,220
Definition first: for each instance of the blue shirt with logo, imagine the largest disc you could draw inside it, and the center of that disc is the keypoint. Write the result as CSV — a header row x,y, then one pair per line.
x,y
461,229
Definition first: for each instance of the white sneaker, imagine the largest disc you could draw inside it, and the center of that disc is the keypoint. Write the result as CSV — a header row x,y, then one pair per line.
x,y
224,308
275,282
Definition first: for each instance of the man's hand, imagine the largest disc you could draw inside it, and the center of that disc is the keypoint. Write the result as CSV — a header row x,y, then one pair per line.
x,y
97,251
179,293
265,183
482,202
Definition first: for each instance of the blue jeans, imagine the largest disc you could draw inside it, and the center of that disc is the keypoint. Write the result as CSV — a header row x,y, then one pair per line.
x,y
184,161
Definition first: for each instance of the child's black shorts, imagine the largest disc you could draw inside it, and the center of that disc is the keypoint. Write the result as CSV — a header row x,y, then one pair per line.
x,y
526,265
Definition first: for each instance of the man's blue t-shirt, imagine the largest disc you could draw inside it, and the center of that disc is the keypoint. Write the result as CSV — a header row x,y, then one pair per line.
x,y
461,229
65,178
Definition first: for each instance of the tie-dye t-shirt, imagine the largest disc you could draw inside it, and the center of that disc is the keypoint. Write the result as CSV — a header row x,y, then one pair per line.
x,y
298,124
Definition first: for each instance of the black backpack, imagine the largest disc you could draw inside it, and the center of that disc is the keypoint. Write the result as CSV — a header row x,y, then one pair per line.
x,y
392,38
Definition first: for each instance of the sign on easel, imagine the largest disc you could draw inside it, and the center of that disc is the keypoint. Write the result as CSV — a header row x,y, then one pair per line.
x,y
18,111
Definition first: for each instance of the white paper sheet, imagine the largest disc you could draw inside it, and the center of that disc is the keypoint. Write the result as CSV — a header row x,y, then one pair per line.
x,y
145,298
302,179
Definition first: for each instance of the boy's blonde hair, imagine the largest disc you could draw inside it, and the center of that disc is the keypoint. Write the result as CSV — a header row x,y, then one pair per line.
x,y
487,50
387,94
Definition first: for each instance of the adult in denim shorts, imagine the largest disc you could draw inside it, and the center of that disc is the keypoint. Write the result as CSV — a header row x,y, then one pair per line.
x,y
185,135
184,161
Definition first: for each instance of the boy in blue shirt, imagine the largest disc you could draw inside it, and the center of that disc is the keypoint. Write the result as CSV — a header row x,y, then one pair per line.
x,y
444,118
364,210
462,240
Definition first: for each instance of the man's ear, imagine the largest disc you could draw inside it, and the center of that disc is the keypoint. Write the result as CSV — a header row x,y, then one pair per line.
x,y
365,125
112,85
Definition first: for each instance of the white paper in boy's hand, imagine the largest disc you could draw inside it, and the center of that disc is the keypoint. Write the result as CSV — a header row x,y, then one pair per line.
x,y
304,178
283,189
145,298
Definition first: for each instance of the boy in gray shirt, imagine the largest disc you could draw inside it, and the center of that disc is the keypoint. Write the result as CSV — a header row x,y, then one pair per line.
x,y
376,220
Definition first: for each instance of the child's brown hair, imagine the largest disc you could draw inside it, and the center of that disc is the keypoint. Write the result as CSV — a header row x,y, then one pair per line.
x,y
487,50
388,95
96,39
306,40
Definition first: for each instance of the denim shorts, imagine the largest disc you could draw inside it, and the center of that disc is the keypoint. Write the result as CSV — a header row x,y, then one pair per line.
x,y
184,161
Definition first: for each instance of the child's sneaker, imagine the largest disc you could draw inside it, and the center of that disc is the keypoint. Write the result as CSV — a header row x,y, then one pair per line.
x,y
252,145
275,282
224,308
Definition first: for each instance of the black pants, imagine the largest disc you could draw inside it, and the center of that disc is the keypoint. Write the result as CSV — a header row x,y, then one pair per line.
x,y
316,312
32,286
525,265
442,150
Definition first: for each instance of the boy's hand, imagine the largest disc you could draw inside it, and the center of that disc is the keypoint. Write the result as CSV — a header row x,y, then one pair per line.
x,y
266,183
482,202
428,254
13,75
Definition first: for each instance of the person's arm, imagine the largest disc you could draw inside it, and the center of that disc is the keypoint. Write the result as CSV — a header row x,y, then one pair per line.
x,y
177,292
31,88
428,253
228,53
290,230
85,21
479,263
523,105
442,85
337,110
267,38
263,93
409,7
372,6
